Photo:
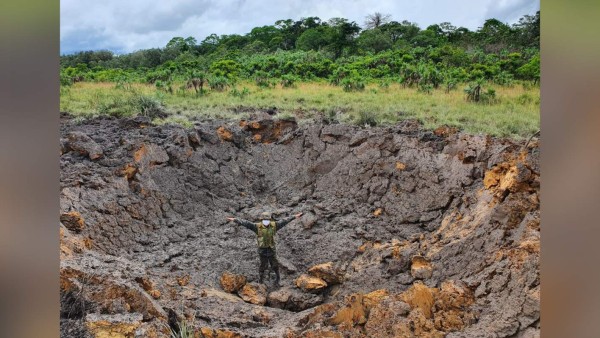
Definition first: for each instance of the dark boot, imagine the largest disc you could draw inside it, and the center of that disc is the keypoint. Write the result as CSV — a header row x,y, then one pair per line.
x,y
277,278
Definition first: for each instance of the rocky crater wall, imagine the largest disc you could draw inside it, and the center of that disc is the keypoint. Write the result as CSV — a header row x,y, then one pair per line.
x,y
442,226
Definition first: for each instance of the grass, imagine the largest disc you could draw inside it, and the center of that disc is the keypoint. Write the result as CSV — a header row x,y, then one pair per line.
x,y
515,112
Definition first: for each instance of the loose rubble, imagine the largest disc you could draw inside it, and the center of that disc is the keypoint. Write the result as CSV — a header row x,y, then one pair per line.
x,y
405,232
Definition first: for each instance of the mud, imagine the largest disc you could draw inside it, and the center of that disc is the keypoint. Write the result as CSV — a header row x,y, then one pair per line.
x,y
428,233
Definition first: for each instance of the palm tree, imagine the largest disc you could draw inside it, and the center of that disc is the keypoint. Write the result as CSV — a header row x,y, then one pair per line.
x,y
376,19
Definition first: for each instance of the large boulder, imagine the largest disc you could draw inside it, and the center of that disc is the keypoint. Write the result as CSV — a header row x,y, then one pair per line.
x,y
293,300
84,145
254,293
231,282
327,272
310,283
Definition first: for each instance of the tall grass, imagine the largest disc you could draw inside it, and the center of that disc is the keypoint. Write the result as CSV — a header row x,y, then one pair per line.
x,y
514,112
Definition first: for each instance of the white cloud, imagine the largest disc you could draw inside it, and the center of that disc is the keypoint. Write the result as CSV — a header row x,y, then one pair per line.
x,y
125,26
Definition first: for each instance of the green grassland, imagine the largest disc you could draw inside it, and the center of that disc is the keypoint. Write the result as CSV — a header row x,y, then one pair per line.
x,y
514,112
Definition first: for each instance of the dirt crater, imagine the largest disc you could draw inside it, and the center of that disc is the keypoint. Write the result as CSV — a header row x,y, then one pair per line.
x,y
433,233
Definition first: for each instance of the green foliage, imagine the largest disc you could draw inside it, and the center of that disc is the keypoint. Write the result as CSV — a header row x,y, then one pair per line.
x,y
229,69
531,70
262,79
186,329
352,84
366,118
425,87
218,83
65,80
289,81
504,79
240,93
151,107
476,93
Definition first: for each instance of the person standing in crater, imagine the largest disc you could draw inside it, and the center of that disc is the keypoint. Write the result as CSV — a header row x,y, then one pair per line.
x,y
265,236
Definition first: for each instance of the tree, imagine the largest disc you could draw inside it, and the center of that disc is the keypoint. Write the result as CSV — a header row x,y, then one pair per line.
x,y
181,44
528,31
344,35
316,38
404,30
374,40
531,70
376,19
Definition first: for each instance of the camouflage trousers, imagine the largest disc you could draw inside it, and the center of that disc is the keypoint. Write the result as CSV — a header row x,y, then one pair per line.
x,y
267,257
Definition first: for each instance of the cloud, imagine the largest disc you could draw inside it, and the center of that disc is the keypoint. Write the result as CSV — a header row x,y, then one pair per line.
x,y
509,11
126,26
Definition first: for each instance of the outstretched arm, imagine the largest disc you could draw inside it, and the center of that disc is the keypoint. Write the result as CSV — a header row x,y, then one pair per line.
x,y
247,224
285,221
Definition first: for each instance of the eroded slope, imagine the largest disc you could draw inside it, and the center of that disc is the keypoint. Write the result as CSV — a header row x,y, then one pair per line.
x,y
432,233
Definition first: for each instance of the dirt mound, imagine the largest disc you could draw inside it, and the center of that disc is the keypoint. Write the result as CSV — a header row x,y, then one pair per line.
x,y
411,233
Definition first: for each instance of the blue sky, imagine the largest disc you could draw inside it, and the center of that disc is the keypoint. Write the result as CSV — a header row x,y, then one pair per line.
x,y
126,26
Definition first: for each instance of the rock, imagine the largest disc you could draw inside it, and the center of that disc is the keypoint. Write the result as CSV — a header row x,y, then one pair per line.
x,y
375,297
308,220
73,221
421,268
451,307
220,294
293,300
261,316
254,293
84,145
146,283
207,135
183,280
352,313
421,297
309,283
113,326
278,299
149,155
388,319
327,272
154,293
70,244
108,283
224,134
232,283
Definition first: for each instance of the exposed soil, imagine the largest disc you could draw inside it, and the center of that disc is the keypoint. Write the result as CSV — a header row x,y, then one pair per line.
x,y
427,234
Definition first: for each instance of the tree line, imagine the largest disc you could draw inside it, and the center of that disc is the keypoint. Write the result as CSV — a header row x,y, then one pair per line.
x,y
337,50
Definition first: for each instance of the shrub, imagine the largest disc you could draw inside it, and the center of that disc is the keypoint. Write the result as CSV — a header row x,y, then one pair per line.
x,y
475,93
365,118
353,84
384,84
218,83
262,79
289,81
65,80
524,99
116,106
149,106
504,79
425,87
240,93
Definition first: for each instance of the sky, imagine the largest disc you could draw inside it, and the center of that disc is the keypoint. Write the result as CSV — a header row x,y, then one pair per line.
x,y
127,26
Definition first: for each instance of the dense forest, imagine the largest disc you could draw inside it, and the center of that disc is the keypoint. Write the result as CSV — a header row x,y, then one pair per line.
x,y
337,51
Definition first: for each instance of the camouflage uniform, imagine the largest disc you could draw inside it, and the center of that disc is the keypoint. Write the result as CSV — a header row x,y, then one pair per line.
x,y
265,237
